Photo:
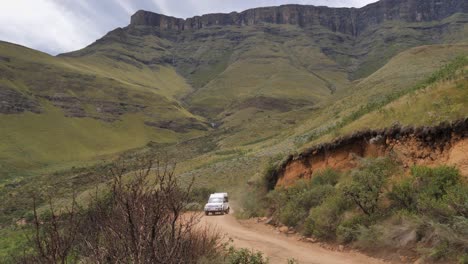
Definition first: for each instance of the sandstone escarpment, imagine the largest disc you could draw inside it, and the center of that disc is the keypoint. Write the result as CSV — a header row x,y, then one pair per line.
x,y
350,21
430,146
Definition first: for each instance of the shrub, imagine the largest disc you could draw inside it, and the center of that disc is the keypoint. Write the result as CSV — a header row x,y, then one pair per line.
x,y
463,259
349,229
245,256
432,207
292,205
444,241
290,215
327,176
368,183
137,221
457,199
325,218
435,182
403,195
368,237
313,197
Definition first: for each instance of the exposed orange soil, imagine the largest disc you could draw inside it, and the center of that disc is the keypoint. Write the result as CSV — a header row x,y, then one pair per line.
x,y
410,149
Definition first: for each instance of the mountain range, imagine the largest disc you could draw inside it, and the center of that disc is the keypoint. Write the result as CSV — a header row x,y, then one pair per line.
x,y
226,93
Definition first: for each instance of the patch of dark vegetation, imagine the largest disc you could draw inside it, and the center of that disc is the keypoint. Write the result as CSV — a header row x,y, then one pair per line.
x,y
14,102
5,59
71,106
180,126
107,110
117,108
375,208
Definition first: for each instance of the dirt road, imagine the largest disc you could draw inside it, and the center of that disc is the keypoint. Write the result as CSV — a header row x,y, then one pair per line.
x,y
278,247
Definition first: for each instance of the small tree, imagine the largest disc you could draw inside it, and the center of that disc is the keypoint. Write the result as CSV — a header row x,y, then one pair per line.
x,y
368,184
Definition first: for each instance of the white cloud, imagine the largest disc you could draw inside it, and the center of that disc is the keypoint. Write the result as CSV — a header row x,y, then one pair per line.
x,y
45,25
127,6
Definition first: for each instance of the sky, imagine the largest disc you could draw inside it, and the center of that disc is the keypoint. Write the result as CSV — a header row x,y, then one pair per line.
x,y
58,26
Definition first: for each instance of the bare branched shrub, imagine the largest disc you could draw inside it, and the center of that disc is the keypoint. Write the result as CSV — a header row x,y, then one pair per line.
x,y
141,219
55,234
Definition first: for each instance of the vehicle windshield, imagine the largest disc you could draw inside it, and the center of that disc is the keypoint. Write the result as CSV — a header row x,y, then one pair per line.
x,y
215,200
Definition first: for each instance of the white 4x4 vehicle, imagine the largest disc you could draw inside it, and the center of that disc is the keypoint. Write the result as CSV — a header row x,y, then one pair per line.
x,y
217,203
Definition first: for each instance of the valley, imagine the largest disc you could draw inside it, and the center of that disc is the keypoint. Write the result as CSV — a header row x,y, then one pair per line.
x,y
230,97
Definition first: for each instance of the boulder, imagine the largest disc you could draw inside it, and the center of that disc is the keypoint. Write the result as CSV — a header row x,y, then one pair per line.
x,y
283,229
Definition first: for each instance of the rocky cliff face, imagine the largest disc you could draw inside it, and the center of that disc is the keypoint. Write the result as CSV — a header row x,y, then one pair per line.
x,y
344,20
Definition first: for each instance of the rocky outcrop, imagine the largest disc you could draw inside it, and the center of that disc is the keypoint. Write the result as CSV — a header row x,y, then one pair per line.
x,y
14,102
344,20
180,126
70,105
105,110
442,144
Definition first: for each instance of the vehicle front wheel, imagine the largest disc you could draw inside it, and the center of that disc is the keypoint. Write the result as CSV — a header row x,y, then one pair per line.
x,y
227,211
206,213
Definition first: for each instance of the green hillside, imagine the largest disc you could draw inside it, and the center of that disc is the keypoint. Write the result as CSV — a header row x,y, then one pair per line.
x,y
67,111
223,100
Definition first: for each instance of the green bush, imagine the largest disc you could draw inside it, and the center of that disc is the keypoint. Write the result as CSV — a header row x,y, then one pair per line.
x,y
245,256
292,205
403,195
457,199
349,230
290,215
368,184
325,218
437,192
432,207
435,182
368,237
463,259
327,176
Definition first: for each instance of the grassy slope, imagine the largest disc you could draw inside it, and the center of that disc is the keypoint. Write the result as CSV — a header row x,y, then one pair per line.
x,y
291,68
133,65
244,135
402,73
281,64
383,43
415,108
35,141
248,138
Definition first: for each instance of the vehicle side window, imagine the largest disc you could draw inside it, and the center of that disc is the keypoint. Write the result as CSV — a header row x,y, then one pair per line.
x,y
226,199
